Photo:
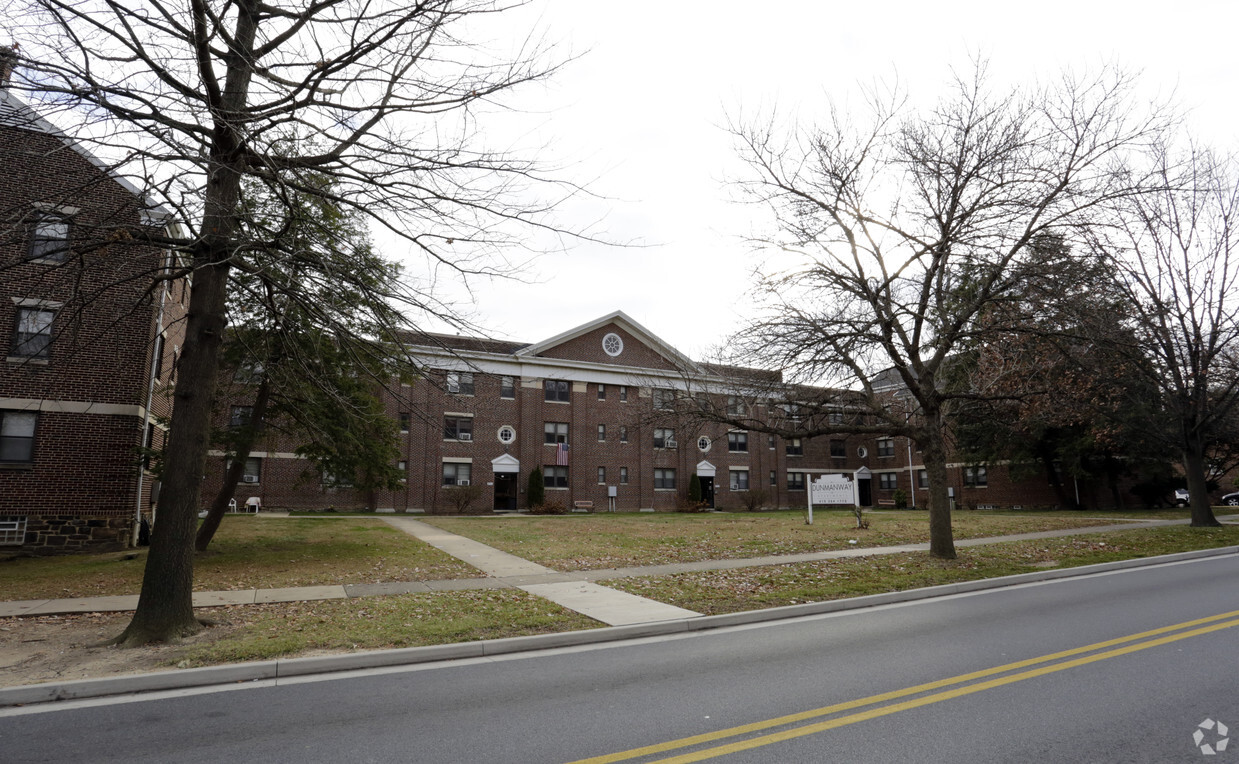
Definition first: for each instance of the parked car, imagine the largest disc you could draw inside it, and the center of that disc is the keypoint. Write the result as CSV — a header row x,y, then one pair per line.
x,y
1231,499
1182,498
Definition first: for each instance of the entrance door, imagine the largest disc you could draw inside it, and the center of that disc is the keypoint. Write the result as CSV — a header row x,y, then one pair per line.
x,y
707,490
505,491
864,491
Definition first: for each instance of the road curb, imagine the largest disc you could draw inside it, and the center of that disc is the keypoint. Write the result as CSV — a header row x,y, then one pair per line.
x,y
251,672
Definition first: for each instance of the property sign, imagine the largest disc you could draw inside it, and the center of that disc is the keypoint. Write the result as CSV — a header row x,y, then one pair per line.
x,y
832,490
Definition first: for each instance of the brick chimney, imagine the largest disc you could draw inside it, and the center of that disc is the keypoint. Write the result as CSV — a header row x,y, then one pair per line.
x,y
8,62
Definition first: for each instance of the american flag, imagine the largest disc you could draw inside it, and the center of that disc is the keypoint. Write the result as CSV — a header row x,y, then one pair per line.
x,y
561,455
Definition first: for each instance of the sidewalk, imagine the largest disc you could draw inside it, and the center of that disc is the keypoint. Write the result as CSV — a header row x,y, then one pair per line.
x,y
577,591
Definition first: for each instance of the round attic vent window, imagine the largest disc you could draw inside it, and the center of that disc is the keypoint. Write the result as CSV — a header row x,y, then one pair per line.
x,y
507,434
612,344
703,444
862,452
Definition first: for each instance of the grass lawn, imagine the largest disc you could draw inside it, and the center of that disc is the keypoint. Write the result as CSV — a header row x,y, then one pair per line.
x,y
262,632
590,542
247,553
730,591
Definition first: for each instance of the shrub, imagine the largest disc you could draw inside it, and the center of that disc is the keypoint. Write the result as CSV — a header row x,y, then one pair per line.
x,y
535,493
753,499
688,505
901,499
549,507
861,522
462,496
694,488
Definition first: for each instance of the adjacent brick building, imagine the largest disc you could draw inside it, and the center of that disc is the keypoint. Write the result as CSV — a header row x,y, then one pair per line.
x,y
90,340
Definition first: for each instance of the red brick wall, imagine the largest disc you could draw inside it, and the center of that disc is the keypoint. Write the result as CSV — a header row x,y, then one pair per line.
x,y
85,464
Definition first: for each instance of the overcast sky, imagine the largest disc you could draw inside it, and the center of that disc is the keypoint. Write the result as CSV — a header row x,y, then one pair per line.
x,y
640,117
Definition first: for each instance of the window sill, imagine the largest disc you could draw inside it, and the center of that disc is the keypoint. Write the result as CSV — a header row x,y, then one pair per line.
x,y
550,488
47,260
27,360
17,465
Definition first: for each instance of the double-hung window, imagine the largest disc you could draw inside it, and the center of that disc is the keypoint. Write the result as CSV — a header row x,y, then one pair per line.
x,y
886,446
507,387
664,437
795,447
554,432
49,237
456,473
458,428
664,480
32,336
888,481
795,481
664,398
240,416
17,436
558,391
976,477
460,383
739,480
738,442
555,476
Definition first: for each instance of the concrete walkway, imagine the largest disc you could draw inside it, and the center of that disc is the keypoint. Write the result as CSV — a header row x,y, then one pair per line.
x,y
612,607
575,591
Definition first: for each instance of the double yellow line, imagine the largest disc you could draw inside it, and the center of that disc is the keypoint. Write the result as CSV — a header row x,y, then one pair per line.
x,y
1100,651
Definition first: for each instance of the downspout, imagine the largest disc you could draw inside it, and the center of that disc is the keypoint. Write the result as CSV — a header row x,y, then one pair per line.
x,y
911,474
150,396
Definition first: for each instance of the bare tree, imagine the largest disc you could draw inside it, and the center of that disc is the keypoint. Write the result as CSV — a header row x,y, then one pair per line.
x,y
911,236
1174,252
380,99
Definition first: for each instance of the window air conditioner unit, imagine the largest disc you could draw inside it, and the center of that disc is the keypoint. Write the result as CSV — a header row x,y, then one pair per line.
x,y
465,436
671,444
249,479
462,482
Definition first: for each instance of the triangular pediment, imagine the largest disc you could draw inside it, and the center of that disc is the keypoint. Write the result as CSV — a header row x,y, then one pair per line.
x,y
505,463
612,339
705,469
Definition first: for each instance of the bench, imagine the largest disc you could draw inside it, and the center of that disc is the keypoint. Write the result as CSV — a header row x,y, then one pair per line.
x,y
582,506
886,502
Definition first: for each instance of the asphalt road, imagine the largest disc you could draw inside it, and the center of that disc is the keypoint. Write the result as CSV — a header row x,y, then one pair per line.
x,y
1068,671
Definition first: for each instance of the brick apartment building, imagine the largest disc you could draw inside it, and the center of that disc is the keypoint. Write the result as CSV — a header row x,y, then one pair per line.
x,y
586,406
89,342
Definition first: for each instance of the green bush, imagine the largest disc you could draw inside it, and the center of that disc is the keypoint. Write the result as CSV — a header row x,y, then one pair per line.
x,y
694,488
535,493
901,499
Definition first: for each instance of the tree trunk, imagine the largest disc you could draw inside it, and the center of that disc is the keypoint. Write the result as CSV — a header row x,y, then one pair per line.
x,y
250,435
933,451
165,609
165,606
1197,486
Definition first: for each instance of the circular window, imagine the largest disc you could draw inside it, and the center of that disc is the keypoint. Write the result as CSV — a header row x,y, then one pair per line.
x,y
703,444
507,434
862,452
612,344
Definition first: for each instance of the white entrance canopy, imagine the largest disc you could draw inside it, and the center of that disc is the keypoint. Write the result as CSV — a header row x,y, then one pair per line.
x,y
506,463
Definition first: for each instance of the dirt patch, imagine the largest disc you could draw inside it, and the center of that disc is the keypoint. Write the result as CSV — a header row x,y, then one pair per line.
x,y
58,647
